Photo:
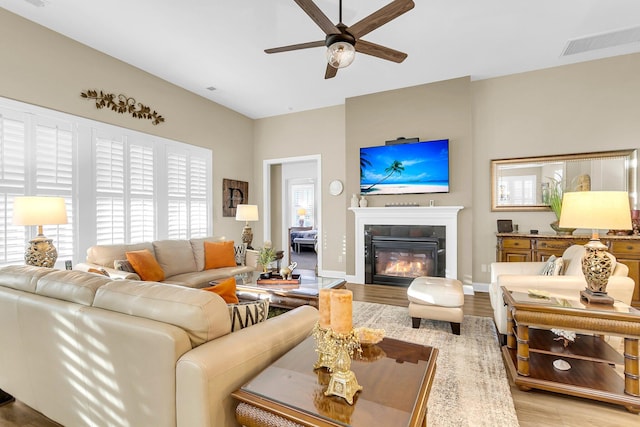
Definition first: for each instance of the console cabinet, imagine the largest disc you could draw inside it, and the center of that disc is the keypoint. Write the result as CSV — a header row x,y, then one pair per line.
x,y
514,247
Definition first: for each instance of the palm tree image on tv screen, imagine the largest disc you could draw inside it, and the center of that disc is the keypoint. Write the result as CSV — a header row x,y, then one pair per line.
x,y
411,168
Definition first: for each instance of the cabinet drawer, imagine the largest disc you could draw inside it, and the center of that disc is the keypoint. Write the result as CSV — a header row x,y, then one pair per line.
x,y
516,243
627,248
559,245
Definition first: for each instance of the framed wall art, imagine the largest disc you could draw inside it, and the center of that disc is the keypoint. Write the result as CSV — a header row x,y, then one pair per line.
x,y
234,193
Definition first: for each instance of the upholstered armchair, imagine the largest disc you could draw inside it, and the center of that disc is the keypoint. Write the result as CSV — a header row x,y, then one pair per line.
x,y
522,276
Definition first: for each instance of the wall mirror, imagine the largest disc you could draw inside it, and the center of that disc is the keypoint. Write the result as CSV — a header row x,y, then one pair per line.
x,y
522,184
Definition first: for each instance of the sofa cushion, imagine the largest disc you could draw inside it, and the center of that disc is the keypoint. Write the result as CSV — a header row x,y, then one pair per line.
x,y
123,265
248,313
202,315
74,286
145,265
22,277
553,266
226,289
219,254
104,255
175,256
198,249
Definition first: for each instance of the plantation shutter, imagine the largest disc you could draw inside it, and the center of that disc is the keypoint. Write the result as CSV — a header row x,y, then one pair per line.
x,y
141,184
12,183
54,176
198,197
302,196
110,210
177,192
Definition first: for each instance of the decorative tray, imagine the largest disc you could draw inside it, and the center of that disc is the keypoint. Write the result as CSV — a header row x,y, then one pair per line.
x,y
276,279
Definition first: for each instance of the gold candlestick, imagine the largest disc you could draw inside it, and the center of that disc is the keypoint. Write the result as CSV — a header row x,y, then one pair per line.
x,y
343,382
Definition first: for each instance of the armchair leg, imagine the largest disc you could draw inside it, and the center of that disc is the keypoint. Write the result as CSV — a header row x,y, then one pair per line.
x,y
415,322
455,328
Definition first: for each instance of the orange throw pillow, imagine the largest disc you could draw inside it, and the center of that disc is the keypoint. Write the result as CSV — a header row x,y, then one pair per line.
x,y
226,289
145,264
219,254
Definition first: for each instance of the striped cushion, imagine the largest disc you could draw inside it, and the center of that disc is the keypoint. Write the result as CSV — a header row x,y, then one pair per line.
x,y
248,313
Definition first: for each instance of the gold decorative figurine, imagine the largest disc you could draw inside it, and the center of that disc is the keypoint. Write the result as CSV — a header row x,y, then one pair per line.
x,y
324,347
343,382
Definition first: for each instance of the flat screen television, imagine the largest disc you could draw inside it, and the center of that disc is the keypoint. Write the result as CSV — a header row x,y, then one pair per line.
x,y
413,168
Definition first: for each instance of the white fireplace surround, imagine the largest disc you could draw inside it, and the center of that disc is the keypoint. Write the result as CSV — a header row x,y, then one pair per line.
x,y
408,215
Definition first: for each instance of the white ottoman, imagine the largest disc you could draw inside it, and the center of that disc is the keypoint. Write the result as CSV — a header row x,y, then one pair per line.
x,y
436,298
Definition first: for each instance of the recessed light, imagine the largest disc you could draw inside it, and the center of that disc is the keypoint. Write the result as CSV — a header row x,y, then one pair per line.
x,y
211,88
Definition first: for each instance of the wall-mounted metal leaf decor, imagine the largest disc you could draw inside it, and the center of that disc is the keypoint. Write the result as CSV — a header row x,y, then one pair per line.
x,y
123,104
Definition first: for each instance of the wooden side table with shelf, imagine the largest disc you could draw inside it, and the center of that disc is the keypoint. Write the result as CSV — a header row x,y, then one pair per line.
x,y
514,247
531,349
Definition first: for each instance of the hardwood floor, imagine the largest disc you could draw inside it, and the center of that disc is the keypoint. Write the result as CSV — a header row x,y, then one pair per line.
x,y
534,408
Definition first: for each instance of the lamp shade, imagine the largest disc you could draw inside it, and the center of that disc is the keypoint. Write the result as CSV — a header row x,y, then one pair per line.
x,y
597,210
29,210
247,213
301,211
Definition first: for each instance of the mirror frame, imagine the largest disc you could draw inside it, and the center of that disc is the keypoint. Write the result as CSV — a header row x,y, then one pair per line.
x,y
631,154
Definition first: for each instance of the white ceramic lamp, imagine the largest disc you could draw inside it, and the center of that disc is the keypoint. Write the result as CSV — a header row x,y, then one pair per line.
x,y
247,213
40,211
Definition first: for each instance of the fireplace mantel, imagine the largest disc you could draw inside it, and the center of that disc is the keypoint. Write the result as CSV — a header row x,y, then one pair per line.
x,y
408,215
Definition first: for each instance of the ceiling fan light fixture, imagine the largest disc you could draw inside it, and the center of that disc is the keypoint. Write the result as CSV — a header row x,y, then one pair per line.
x,y
340,54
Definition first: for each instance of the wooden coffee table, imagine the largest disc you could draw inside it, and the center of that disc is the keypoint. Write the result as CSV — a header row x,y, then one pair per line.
x,y
530,352
288,295
396,377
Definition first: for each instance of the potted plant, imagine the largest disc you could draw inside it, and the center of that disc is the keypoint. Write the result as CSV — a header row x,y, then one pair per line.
x,y
556,192
265,257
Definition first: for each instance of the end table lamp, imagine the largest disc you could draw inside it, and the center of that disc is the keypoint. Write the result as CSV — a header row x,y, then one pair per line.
x,y
40,211
247,213
301,213
597,210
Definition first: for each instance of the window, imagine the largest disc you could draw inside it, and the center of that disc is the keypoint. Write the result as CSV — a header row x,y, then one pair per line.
x,y
120,186
302,205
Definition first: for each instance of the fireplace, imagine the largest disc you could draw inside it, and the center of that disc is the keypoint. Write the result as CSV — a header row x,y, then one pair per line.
x,y
446,216
395,255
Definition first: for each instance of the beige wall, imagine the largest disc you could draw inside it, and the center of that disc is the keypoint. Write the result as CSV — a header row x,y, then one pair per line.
x,y
434,111
44,68
317,132
592,106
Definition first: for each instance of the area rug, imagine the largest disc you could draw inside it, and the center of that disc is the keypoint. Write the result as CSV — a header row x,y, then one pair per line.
x,y
470,386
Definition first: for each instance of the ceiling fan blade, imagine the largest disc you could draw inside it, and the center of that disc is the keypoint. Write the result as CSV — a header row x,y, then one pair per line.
x,y
318,16
295,47
380,51
330,72
380,17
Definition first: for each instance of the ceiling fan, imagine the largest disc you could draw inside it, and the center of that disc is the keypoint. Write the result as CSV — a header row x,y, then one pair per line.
x,y
342,42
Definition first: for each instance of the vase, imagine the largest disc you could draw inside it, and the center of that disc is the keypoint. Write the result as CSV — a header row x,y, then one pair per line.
x,y
354,201
561,231
363,202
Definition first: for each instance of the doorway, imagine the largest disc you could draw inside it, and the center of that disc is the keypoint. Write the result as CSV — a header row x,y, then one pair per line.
x,y
291,196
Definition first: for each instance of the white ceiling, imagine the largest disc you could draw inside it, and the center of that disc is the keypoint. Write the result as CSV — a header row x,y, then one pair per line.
x,y
196,44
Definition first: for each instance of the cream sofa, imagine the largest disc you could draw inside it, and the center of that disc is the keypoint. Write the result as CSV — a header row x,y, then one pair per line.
x,y
522,276
181,260
86,350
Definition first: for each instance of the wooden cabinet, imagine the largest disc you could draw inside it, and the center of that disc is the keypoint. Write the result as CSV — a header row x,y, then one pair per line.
x,y
513,247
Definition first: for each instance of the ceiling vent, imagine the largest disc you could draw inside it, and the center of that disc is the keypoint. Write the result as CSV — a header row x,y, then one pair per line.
x,y
602,41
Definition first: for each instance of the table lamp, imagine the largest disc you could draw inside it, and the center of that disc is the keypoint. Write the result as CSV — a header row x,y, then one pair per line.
x,y
40,211
301,213
597,210
247,213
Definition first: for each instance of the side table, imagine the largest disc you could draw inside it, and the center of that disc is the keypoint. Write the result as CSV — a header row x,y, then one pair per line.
x,y
530,352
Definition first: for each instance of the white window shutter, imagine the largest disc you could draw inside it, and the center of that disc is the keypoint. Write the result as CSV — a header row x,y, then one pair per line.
x,y
110,209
